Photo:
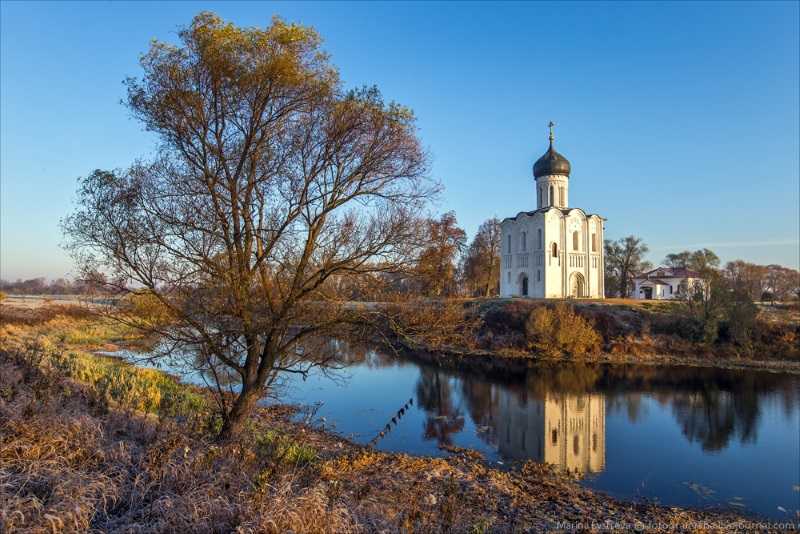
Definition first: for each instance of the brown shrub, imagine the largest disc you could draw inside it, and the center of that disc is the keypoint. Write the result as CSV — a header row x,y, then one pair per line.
x,y
147,307
434,324
558,331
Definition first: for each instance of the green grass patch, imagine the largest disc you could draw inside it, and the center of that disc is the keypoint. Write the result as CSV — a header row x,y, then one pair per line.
x,y
284,449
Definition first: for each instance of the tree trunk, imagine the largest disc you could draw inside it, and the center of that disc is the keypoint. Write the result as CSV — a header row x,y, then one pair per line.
x,y
244,404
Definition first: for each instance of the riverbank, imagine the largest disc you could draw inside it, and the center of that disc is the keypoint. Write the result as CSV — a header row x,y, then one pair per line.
x,y
494,335
92,442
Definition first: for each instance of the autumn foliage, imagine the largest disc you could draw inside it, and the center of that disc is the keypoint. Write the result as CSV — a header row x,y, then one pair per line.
x,y
558,330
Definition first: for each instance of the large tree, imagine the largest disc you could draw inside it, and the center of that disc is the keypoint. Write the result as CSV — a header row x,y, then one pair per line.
x,y
747,277
481,264
436,269
624,259
270,182
782,283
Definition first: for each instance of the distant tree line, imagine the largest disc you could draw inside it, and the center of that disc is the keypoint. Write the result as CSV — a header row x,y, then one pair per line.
x,y
95,283
448,265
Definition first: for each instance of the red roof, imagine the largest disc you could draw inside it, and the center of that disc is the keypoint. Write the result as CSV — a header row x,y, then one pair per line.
x,y
668,272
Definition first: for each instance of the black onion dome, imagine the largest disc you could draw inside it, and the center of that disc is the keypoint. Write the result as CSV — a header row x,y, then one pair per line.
x,y
551,163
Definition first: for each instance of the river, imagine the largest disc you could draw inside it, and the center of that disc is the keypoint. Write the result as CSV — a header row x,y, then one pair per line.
x,y
684,436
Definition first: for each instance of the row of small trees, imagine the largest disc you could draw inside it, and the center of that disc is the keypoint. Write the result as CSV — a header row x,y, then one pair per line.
x,y
89,284
445,265
448,267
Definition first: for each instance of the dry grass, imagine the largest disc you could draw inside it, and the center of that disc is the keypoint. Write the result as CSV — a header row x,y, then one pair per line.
x,y
77,454
70,461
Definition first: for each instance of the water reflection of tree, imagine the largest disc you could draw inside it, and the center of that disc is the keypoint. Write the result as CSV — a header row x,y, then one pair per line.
x,y
481,399
711,406
435,396
712,417
630,402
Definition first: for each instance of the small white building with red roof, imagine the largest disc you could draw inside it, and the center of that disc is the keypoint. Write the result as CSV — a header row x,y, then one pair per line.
x,y
664,283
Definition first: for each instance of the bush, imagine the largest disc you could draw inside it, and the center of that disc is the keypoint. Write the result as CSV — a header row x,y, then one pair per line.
x,y
433,324
560,331
740,322
147,307
683,326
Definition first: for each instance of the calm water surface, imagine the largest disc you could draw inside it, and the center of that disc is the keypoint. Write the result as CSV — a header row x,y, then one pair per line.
x,y
677,435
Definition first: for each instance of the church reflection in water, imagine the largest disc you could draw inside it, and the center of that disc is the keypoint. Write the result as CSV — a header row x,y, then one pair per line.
x,y
556,413
522,422
567,431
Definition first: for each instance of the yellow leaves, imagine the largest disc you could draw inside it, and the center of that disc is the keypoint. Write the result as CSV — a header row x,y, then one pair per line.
x,y
148,307
559,330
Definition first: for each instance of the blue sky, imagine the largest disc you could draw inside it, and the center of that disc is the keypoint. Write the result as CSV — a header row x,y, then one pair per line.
x,y
681,120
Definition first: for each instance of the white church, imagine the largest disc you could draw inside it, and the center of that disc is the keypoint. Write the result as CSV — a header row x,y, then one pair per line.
x,y
554,251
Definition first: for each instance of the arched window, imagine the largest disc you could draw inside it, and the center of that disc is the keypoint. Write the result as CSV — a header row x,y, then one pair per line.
x,y
575,240
594,442
576,446
594,242
539,275
561,196
555,250
539,234
523,243
552,196
509,243
554,436
540,197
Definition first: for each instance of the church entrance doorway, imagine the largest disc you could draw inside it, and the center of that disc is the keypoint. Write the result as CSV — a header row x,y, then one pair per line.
x,y
577,286
524,286
648,293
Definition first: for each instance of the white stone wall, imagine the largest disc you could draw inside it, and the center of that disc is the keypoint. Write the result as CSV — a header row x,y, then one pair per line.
x,y
554,263
549,275
524,257
552,275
